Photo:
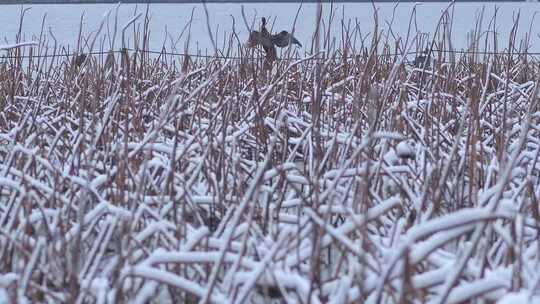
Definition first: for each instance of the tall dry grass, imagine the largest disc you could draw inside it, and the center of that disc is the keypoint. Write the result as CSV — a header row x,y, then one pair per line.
x,y
343,175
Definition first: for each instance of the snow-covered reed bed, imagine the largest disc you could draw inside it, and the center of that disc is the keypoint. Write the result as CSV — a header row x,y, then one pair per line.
x,y
347,176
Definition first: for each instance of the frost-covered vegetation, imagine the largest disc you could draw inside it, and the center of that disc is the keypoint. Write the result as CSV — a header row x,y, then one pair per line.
x,y
342,175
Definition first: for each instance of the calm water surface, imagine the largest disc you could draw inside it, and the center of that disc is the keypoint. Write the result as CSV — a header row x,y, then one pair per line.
x,y
168,20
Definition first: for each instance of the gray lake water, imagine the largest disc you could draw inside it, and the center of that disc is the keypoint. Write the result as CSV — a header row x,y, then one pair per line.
x,y
168,20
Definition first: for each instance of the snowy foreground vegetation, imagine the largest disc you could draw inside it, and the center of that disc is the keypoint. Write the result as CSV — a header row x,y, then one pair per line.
x,y
342,175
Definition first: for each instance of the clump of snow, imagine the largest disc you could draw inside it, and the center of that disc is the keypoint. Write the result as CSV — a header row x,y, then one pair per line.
x,y
4,297
17,45
405,150
520,297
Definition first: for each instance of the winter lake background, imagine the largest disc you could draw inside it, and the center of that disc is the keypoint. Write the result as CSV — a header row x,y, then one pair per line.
x,y
63,20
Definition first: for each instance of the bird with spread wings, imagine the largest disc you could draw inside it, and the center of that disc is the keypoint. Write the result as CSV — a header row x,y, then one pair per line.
x,y
269,41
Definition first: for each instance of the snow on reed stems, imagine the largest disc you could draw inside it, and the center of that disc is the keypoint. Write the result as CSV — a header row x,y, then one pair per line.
x,y
345,174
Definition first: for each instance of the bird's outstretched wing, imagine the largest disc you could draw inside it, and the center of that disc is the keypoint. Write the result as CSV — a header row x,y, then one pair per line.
x,y
284,39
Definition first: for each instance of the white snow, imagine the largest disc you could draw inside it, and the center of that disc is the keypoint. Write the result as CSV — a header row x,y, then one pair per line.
x,y
521,297
219,181
405,150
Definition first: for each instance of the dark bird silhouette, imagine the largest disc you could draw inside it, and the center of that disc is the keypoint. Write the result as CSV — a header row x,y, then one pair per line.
x,y
269,41
266,41
423,59
79,60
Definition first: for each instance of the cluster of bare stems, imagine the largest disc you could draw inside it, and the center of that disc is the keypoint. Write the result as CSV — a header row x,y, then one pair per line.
x,y
342,175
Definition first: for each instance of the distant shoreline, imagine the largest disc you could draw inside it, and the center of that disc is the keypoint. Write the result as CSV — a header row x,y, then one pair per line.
x,y
8,2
